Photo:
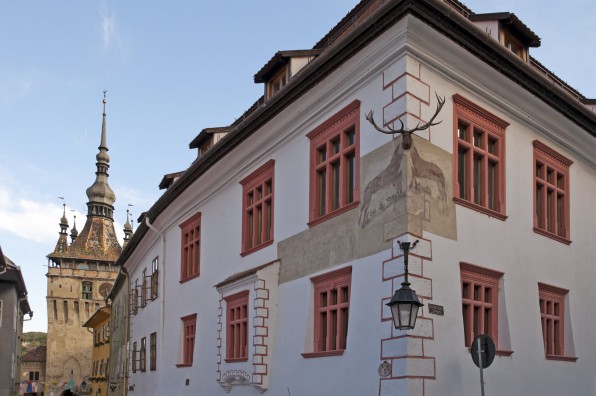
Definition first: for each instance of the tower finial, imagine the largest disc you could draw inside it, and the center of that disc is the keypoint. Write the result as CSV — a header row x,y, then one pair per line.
x,y
103,124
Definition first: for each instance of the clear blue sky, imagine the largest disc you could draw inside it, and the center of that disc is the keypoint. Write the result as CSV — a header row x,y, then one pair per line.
x,y
171,69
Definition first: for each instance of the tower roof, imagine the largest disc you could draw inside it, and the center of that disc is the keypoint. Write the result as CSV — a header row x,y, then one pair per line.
x,y
97,240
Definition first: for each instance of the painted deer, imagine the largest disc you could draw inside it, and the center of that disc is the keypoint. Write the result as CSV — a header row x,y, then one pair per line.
x,y
427,177
383,190
386,187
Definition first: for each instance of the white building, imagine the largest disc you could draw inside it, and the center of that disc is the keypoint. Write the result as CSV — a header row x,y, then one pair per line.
x,y
278,248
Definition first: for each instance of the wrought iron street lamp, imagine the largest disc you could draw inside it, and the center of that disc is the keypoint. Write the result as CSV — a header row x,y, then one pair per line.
x,y
405,304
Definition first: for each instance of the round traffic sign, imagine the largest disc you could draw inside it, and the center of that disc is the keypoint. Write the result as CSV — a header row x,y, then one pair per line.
x,y
487,350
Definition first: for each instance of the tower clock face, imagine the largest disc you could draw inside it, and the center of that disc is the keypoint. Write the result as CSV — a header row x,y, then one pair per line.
x,y
104,289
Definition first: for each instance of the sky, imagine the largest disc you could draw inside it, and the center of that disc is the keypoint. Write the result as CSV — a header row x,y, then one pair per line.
x,y
170,69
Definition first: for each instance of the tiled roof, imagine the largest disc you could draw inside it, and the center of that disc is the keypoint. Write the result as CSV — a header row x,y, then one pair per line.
x,y
35,354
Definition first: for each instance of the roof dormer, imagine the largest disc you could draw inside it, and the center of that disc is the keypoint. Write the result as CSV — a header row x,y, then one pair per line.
x,y
281,68
169,179
508,30
207,138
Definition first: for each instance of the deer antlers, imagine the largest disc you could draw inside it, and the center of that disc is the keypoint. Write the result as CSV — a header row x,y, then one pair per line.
x,y
407,133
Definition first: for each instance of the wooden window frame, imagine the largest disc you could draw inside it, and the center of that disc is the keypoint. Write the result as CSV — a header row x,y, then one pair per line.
x,y
328,337
340,169
488,150
258,197
189,328
282,77
153,351
237,327
134,357
144,289
143,355
473,276
551,178
552,319
190,253
154,277
134,298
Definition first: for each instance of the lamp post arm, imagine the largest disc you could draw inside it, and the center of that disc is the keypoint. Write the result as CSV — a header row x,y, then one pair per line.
x,y
405,247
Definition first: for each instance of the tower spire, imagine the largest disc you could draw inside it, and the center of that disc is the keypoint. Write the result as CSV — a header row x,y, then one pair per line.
x,y
127,228
103,124
101,197
74,233
62,244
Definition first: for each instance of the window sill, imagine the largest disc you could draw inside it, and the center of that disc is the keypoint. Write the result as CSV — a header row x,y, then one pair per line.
x,y
255,248
236,360
309,355
561,358
336,212
481,209
189,278
552,236
184,365
498,352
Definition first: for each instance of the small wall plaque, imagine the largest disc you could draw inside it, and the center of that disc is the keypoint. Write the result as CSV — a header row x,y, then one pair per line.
x,y
385,369
436,309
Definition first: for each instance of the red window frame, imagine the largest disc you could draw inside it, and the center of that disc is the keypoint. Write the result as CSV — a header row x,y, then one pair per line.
x,y
190,255
551,193
237,327
480,302
257,208
331,312
552,318
189,327
478,158
335,165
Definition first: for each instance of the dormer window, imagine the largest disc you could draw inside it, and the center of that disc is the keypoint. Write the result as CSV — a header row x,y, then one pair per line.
x,y
277,82
511,43
207,138
281,68
508,30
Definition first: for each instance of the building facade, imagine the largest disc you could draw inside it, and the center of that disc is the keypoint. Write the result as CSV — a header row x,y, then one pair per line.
x,y
80,276
33,371
118,367
298,213
13,308
99,324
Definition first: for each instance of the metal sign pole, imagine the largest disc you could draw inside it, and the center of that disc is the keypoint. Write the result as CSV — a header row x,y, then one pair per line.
x,y
480,365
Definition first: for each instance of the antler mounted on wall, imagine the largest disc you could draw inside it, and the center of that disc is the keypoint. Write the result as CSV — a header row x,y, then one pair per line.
x,y
407,133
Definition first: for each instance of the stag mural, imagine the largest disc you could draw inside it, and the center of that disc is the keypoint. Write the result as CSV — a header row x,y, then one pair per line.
x,y
386,188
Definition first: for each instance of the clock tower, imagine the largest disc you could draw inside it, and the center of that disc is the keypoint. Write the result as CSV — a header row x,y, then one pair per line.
x,y
80,275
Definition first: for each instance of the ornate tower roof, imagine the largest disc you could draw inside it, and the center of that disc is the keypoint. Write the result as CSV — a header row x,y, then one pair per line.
x,y
97,240
74,233
62,244
127,229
